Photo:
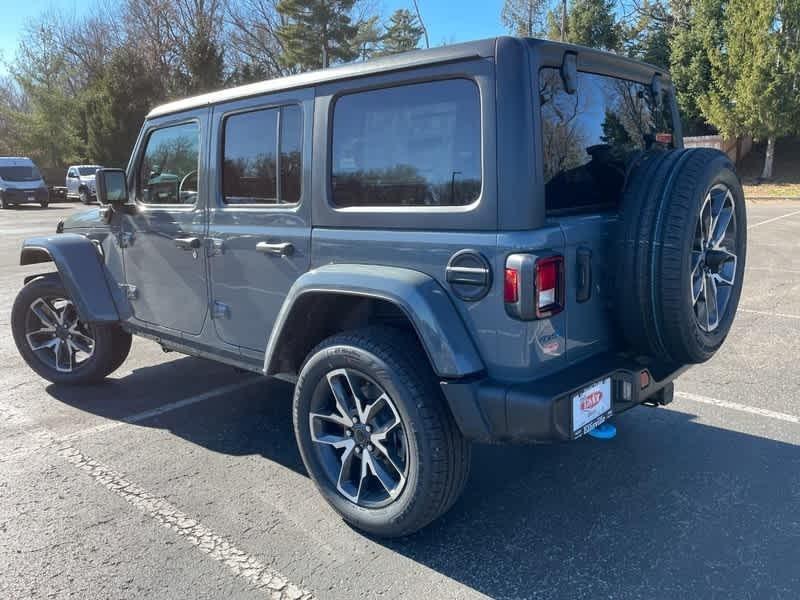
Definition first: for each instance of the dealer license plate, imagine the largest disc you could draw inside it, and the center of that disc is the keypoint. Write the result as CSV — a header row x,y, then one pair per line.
x,y
591,407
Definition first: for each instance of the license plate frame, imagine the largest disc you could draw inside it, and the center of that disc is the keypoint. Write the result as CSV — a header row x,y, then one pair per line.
x,y
591,406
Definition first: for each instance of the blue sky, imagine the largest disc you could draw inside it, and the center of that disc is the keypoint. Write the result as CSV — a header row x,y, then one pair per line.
x,y
447,20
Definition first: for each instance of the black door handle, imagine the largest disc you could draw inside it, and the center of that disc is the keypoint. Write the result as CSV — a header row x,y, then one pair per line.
x,y
189,243
583,289
279,249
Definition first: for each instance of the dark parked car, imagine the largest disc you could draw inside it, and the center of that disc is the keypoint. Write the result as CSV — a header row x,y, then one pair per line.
x,y
496,241
21,183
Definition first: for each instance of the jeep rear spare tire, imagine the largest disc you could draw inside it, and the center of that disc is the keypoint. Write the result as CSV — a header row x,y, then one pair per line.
x,y
680,254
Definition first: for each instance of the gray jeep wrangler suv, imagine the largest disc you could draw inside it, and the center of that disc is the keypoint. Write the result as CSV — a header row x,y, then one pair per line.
x,y
498,241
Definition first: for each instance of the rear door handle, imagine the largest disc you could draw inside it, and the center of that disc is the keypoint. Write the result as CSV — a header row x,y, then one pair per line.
x,y
189,243
583,289
279,249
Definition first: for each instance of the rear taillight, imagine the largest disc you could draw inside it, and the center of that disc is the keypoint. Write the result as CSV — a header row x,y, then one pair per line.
x,y
549,285
511,286
533,288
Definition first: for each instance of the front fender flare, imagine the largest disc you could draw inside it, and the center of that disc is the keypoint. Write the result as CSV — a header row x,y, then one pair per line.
x,y
427,306
82,272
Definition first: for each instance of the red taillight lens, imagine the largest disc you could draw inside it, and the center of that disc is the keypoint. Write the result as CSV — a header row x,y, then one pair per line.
x,y
511,286
549,285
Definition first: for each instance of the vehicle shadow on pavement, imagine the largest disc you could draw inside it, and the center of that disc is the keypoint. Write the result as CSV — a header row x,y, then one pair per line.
x,y
670,508
255,419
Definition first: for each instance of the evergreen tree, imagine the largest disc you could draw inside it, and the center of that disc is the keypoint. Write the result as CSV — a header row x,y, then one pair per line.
x,y
699,34
49,129
316,33
523,17
116,105
589,23
756,73
368,38
403,32
648,37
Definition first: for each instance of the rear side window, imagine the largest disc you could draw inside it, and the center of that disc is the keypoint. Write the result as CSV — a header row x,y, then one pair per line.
x,y
413,145
590,137
168,171
261,157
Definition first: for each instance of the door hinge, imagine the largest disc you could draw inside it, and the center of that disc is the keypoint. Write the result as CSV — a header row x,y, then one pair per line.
x,y
124,239
215,246
131,293
220,310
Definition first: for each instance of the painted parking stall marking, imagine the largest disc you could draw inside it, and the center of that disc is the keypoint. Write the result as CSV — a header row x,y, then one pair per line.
x,y
201,537
773,219
753,410
240,563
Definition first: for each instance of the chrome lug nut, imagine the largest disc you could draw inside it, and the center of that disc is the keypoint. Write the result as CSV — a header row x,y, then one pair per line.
x,y
370,447
348,433
369,428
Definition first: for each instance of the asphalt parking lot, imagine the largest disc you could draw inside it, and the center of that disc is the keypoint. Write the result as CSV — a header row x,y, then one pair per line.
x,y
180,478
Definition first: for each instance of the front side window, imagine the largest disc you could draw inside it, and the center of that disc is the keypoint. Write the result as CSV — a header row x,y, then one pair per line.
x,y
591,136
261,157
412,145
168,171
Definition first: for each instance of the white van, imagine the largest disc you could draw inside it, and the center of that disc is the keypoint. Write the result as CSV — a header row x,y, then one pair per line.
x,y
21,182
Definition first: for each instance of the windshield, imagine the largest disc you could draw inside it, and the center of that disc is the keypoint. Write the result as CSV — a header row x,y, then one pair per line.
x,y
20,173
591,136
89,170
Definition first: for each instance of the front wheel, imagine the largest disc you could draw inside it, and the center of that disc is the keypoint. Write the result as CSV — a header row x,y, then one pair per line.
x,y
56,343
84,197
375,434
44,204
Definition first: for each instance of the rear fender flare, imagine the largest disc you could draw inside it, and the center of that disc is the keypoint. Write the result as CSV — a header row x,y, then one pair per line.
x,y
439,327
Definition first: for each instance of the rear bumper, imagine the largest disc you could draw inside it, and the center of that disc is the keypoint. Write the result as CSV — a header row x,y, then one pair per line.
x,y
540,410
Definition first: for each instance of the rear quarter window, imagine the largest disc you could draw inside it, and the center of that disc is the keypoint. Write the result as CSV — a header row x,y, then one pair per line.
x,y
411,145
590,137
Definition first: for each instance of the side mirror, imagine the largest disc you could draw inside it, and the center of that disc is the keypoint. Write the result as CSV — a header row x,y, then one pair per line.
x,y
112,187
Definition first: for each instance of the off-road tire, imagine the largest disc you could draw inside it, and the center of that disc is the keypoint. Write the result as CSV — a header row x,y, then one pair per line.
x,y
439,456
663,196
112,344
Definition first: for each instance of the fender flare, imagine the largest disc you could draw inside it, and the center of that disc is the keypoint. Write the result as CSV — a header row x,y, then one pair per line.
x,y
424,302
83,273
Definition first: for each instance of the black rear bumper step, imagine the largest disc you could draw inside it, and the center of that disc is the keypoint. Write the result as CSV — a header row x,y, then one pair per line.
x,y
539,411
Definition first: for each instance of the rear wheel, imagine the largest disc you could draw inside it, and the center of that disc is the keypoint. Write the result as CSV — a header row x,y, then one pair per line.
x,y
44,203
375,434
4,203
56,343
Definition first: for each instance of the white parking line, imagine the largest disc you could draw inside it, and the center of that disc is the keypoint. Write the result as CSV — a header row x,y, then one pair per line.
x,y
155,412
773,269
241,564
773,219
42,441
201,537
767,313
761,412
